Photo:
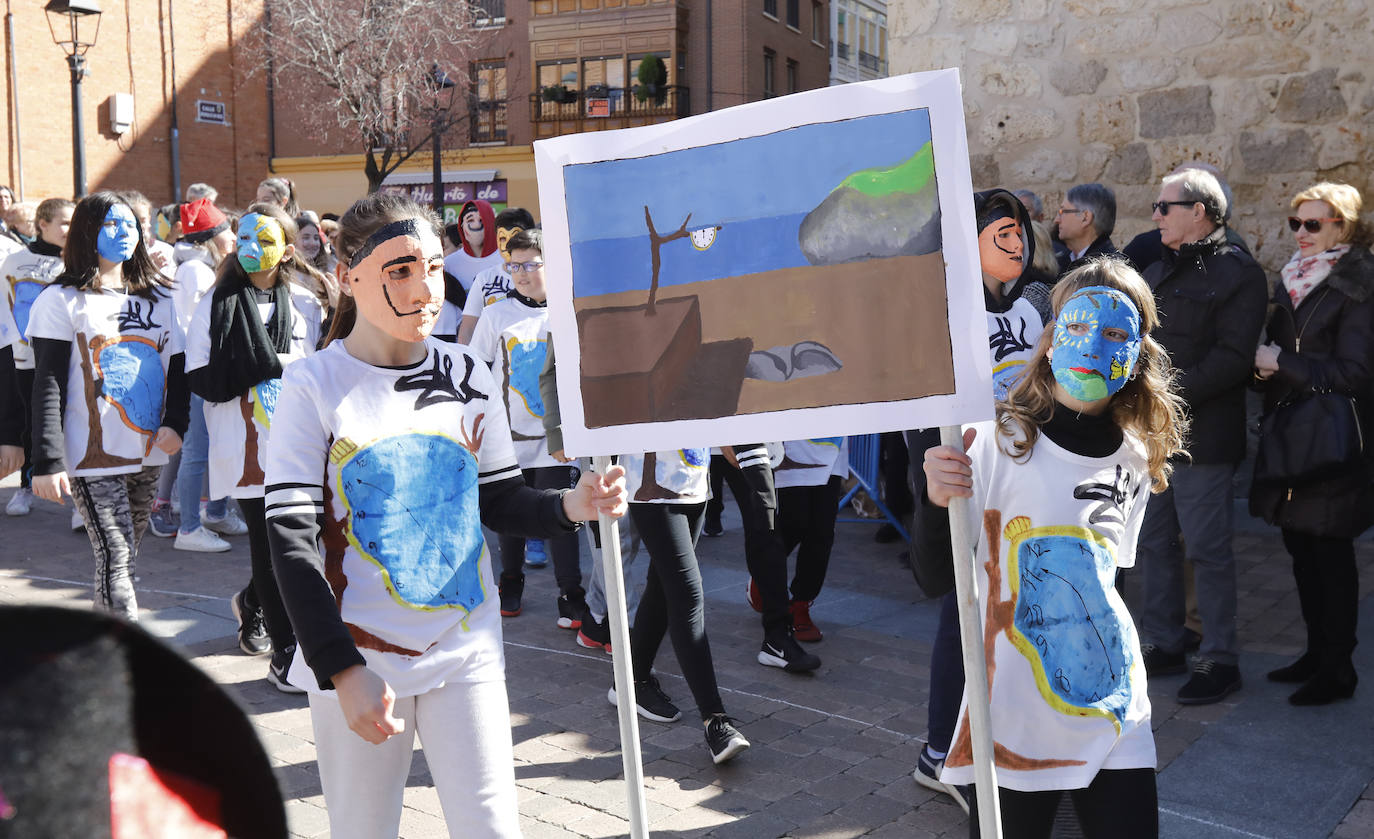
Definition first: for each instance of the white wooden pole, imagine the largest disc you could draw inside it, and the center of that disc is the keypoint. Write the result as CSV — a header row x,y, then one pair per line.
x,y
975,667
624,674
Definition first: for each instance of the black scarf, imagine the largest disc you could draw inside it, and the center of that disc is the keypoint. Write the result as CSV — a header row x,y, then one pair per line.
x,y
243,352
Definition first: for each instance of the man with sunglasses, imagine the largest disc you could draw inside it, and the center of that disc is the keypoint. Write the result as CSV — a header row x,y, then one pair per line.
x,y
1211,297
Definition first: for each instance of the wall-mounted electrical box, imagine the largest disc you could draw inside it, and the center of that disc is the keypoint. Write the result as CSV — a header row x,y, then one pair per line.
x,y
121,112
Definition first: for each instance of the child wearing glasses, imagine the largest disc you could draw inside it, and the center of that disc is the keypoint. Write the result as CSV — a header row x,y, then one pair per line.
x,y
512,336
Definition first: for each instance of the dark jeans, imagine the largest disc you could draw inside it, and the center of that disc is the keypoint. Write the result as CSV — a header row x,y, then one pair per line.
x,y
806,521
563,548
262,588
763,549
1329,593
1118,804
1197,503
673,602
946,677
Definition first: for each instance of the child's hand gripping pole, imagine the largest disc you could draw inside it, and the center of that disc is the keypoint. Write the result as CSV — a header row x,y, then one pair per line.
x,y
624,674
955,483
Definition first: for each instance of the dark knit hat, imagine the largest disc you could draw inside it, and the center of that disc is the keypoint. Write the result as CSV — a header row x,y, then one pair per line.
x,y
201,221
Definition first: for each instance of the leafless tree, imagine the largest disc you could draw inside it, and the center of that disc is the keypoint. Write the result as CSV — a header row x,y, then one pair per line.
x,y
375,61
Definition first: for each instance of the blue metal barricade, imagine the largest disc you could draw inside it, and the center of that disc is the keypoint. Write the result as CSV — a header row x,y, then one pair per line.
x,y
864,460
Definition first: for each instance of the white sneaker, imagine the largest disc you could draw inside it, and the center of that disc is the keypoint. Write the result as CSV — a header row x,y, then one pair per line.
x,y
200,540
21,503
78,523
231,525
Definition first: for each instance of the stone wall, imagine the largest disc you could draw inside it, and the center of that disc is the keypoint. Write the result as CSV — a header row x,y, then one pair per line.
x,y
1278,95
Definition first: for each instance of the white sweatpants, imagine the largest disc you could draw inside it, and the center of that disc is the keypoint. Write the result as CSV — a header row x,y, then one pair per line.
x,y
465,733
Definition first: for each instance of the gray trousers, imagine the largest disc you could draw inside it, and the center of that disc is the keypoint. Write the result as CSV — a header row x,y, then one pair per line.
x,y
1199,506
115,509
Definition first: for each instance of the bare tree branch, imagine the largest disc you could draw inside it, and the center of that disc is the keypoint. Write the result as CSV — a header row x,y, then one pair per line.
x,y
375,59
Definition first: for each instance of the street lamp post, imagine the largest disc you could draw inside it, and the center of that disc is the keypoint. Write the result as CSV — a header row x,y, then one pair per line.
x,y
74,36
443,88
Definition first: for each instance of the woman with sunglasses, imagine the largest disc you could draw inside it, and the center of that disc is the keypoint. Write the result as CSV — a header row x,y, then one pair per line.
x,y
1321,337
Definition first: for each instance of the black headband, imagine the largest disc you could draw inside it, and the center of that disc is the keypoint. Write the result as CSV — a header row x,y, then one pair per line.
x,y
405,227
998,210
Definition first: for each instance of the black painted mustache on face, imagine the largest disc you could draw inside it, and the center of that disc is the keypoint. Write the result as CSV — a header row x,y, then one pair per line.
x,y
399,313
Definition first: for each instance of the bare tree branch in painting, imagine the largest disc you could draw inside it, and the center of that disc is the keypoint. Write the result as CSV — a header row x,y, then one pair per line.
x,y
657,242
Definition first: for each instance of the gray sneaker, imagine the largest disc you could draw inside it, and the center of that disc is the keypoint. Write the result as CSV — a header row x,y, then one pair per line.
x,y
927,774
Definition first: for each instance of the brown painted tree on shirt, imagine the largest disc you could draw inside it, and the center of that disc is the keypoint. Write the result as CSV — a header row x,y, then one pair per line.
x,y
96,457
999,619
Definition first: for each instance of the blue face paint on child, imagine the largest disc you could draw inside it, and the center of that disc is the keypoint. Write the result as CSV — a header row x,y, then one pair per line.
x,y
1096,343
118,238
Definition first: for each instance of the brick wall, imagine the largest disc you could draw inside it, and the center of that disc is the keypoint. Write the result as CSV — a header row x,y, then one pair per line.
x,y
133,54
1278,95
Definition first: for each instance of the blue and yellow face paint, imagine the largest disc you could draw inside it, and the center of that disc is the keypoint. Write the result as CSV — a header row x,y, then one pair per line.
x,y
1096,343
261,243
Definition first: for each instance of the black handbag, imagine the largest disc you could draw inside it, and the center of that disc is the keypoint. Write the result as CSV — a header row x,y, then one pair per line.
x,y
1309,436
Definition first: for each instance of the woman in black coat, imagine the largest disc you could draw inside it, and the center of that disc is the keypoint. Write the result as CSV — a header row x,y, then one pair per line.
x,y
1321,336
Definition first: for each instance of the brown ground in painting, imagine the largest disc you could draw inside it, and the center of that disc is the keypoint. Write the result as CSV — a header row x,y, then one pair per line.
x,y
884,319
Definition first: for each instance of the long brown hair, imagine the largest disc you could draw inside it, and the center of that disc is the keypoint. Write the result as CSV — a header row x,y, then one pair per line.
x,y
365,217
1148,406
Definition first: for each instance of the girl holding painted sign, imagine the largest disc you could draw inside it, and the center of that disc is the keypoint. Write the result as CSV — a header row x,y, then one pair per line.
x,y
1061,479
399,443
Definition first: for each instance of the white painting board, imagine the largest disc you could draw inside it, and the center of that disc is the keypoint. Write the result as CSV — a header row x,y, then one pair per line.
x,y
774,319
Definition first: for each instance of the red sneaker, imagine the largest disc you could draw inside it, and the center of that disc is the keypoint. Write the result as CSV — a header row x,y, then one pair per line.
x,y
802,627
751,593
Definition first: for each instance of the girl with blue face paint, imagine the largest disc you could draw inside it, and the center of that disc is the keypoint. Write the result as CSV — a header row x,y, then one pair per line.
x,y
119,234
1096,343
1061,480
106,343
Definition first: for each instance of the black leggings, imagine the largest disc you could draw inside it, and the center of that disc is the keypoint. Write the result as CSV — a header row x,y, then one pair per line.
x,y
1328,591
763,551
806,520
1118,804
673,601
262,588
564,549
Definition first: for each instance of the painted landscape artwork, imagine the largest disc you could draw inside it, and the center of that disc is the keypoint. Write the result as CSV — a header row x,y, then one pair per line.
x,y
799,266
739,289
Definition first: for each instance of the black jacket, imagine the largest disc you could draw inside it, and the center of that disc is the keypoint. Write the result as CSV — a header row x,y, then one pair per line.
x,y
1336,320
1211,298
1101,246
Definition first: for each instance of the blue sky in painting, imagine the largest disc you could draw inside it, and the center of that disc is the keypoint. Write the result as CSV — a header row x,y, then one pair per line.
x,y
759,188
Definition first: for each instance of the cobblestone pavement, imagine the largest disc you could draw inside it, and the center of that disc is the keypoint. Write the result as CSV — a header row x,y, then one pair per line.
x,y
832,752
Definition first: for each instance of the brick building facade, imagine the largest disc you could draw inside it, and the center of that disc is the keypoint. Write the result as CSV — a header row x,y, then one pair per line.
x,y
139,42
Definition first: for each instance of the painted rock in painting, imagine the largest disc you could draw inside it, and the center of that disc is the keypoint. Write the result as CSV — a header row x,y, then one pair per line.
x,y
421,529
876,213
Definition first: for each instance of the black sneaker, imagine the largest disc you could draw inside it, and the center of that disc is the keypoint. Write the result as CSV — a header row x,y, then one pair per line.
x,y
511,589
1161,663
723,739
1211,682
782,650
570,608
651,702
594,634
253,638
278,667
927,774
713,526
